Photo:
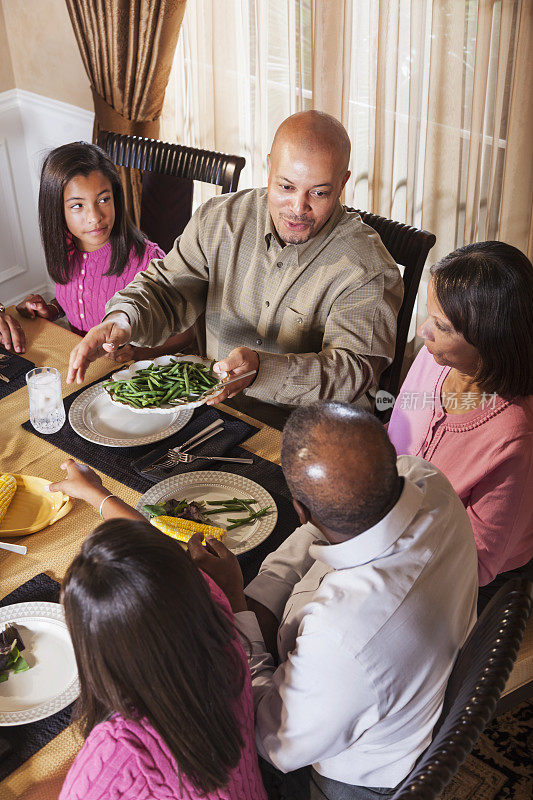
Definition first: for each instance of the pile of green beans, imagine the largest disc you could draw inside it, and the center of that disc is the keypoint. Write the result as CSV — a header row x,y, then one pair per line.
x,y
159,385
235,504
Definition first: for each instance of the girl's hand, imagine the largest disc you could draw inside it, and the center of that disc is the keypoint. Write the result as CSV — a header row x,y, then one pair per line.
x,y
35,306
222,566
81,482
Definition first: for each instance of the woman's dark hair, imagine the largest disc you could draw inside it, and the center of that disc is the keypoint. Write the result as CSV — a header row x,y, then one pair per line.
x,y
486,291
60,166
151,642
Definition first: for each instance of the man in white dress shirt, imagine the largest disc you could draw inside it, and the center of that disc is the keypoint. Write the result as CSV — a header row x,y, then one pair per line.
x,y
366,605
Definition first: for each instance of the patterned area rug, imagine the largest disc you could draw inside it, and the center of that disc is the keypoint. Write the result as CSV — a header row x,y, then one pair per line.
x,y
501,765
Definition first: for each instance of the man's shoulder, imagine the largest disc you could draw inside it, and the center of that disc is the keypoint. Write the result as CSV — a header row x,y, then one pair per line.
x,y
245,202
440,513
363,242
428,478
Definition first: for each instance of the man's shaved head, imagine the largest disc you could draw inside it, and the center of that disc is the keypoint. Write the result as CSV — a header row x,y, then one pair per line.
x,y
314,131
340,464
307,171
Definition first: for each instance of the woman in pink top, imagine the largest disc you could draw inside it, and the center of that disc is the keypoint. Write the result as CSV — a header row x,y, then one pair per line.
x,y
91,247
165,691
467,402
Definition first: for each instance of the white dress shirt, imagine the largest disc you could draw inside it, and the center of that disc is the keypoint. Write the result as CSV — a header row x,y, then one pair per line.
x,y
369,630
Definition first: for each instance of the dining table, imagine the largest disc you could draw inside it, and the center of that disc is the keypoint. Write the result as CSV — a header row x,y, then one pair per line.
x,y
52,549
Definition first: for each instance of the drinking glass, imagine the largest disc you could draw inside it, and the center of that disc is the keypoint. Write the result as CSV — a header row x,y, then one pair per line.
x,y
47,412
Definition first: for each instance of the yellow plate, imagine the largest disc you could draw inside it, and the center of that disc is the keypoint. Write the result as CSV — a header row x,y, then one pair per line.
x,y
33,508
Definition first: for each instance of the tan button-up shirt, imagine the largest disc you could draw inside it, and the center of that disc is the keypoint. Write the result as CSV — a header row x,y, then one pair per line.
x,y
321,315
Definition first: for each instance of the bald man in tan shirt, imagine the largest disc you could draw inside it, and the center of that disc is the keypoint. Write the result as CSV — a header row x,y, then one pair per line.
x,y
292,285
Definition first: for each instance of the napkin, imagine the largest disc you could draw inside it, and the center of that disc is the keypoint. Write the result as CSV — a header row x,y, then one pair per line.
x,y
40,588
233,432
14,366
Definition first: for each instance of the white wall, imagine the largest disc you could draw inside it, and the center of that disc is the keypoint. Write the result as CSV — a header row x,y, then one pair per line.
x,y
30,125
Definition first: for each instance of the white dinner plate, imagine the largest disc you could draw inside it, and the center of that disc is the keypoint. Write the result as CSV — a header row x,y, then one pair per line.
x,y
95,417
214,485
51,682
129,372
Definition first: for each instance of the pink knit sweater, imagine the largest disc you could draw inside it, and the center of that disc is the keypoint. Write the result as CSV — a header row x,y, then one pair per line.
x,y
486,454
84,297
128,760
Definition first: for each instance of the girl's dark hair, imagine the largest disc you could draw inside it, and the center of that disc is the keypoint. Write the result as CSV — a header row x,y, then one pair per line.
x,y
151,642
60,166
486,291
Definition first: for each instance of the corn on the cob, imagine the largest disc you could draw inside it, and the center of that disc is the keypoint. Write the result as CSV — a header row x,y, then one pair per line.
x,y
8,487
183,529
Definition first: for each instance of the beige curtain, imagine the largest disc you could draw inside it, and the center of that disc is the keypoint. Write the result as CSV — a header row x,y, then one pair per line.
x,y
435,94
127,47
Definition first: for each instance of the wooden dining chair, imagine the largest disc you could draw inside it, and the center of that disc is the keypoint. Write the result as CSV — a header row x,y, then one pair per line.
x,y
474,688
168,171
409,247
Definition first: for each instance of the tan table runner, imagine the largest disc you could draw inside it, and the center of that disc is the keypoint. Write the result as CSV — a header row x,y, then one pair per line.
x,y
52,550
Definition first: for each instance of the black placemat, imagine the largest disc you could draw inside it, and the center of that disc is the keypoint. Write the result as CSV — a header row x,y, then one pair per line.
x,y
15,368
234,431
271,477
25,740
117,461
122,464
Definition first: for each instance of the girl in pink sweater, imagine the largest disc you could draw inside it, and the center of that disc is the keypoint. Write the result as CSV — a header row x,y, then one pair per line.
x,y
165,691
91,247
467,402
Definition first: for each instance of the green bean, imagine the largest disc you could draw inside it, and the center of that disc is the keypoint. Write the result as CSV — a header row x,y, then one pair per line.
x,y
236,523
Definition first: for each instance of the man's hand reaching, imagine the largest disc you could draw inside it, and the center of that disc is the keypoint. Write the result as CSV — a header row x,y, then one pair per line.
x,y
113,332
239,361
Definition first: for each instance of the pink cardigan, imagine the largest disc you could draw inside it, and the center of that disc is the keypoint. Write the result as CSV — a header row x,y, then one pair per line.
x,y
84,297
486,454
128,760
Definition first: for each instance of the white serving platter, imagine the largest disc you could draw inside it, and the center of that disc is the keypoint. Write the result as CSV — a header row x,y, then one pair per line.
x,y
96,418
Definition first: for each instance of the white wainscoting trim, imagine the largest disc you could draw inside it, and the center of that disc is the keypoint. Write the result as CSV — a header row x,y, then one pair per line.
x,y
30,126
12,239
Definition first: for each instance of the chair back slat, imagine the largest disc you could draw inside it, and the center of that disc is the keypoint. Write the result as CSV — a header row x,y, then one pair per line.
x,y
208,166
166,204
409,247
476,682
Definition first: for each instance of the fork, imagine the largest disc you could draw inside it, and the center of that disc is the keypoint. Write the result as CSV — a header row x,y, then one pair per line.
x,y
4,357
186,458
199,438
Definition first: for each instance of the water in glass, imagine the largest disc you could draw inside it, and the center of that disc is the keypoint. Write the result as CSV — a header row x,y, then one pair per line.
x,y
47,412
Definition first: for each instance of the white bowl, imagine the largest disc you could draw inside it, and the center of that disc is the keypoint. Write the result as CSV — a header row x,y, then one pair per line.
x,y
129,372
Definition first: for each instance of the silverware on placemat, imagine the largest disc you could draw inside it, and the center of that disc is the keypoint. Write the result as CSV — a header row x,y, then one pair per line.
x,y
186,458
194,441
3,358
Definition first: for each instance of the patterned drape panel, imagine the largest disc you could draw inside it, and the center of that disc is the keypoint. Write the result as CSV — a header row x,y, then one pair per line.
x,y
127,47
